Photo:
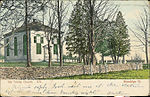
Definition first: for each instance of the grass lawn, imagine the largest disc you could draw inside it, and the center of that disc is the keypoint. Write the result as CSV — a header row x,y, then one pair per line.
x,y
134,74
34,64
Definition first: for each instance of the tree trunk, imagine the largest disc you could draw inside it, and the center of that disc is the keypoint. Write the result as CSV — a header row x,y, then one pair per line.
x,y
28,36
62,55
146,52
105,67
49,54
94,59
59,27
92,31
123,60
88,60
117,61
84,60
114,59
146,48
91,34
79,58
103,61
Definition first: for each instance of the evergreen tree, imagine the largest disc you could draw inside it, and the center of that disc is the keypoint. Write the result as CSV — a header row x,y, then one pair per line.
x,y
91,24
76,39
101,40
119,43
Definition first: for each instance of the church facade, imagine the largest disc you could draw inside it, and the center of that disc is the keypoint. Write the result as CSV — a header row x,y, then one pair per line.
x,y
16,47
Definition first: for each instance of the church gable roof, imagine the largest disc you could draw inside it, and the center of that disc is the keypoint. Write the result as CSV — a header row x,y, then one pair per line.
x,y
37,26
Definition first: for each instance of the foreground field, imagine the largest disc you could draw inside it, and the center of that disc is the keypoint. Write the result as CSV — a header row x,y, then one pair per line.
x,y
134,74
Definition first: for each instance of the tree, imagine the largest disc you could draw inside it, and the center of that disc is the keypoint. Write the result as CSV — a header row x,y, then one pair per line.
x,y
95,11
124,46
143,27
47,10
61,10
76,39
59,29
31,7
14,10
52,24
10,18
84,23
119,43
90,16
27,35
102,40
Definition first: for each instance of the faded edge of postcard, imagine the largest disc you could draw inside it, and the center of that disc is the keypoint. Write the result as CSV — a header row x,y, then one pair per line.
x,y
117,87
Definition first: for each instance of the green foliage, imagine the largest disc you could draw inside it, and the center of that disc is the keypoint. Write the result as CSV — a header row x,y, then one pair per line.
x,y
134,74
146,66
124,42
76,39
119,42
113,39
101,39
69,57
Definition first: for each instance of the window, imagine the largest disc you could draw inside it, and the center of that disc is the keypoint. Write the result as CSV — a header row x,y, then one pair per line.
x,y
42,41
24,45
15,47
55,49
34,39
7,42
38,48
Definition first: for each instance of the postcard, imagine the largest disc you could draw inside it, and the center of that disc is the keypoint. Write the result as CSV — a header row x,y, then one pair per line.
x,y
74,47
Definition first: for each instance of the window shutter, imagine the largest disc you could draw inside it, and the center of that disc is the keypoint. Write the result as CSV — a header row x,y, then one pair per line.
x,y
15,47
38,48
7,47
34,39
55,49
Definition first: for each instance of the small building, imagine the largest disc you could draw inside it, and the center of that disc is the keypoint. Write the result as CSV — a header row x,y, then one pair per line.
x,y
16,48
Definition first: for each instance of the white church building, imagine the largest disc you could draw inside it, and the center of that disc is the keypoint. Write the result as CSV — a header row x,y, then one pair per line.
x,y
16,44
